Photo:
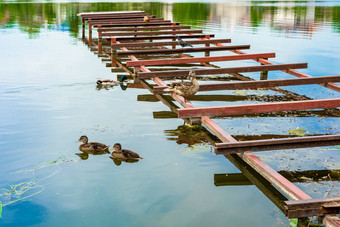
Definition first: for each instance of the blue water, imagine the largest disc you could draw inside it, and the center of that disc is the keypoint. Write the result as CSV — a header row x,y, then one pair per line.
x,y
48,99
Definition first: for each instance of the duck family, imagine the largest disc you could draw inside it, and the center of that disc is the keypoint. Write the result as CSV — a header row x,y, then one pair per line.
x,y
99,148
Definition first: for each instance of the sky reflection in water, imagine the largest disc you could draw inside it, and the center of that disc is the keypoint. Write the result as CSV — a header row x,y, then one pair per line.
x,y
49,99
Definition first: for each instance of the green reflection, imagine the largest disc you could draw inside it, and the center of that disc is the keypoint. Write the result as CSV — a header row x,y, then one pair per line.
x,y
31,17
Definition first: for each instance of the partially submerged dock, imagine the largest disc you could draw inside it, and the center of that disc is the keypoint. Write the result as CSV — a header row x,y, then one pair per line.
x,y
123,35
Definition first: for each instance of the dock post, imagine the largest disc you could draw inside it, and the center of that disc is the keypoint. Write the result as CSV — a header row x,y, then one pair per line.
x,y
207,53
90,33
264,74
113,53
100,40
83,27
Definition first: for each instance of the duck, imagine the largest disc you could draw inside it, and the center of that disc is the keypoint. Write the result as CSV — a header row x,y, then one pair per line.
x,y
112,82
92,146
146,19
185,88
124,154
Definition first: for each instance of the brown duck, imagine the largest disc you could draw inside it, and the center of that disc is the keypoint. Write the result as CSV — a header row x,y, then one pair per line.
x,y
92,146
185,88
124,154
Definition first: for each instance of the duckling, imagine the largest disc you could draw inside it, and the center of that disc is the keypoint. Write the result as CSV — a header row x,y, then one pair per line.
x,y
124,154
92,146
146,19
112,82
185,88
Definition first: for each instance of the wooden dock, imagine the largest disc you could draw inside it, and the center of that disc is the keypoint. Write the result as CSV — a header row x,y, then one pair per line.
x,y
121,30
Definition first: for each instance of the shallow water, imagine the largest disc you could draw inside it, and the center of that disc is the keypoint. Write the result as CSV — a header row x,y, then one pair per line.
x,y
49,99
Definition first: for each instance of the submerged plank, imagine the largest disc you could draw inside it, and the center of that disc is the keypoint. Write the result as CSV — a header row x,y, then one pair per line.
x,y
151,33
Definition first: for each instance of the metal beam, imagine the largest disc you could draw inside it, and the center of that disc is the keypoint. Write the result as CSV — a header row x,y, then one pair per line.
x,y
151,33
179,73
137,24
159,37
277,144
169,43
143,29
245,85
181,50
259,108
171,61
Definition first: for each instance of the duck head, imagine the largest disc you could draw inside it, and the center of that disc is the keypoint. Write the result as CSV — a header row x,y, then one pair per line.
x,y
83,139
117,147
122,78
192,75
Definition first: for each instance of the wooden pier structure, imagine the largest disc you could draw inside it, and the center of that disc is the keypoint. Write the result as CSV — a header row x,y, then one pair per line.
x,y
123,35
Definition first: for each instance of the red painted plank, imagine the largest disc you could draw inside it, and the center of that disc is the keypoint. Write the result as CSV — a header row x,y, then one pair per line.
x,y
168,43
259,108
277,144
181,50
178,73
171,61
242,85
158,28
151,33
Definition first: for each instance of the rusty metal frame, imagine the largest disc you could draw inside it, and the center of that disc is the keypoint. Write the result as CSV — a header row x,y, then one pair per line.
x,y
267,172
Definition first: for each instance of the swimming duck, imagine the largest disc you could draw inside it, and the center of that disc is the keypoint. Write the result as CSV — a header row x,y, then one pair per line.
x,y
146,19
112,82
92,146
124,154
185,88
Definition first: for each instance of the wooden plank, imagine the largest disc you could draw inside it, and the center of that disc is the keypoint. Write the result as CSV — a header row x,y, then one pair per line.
x,y
259,108
137,24
157,28
122,38
172,61
169,43
181,73
245,85
277,144
181,50
151,33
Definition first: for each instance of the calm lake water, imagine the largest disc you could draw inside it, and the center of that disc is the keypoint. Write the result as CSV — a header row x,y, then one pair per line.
x,y
48,99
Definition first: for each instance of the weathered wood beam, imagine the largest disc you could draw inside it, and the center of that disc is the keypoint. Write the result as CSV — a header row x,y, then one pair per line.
x,y
277,144
259,108
169,43
181,50
312,207
244,85
151,33
157,28
171,61
185,73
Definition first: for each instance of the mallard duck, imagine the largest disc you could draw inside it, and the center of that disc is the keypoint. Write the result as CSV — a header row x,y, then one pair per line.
x,y
185,88
124,154
146,19
112,82
92,146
